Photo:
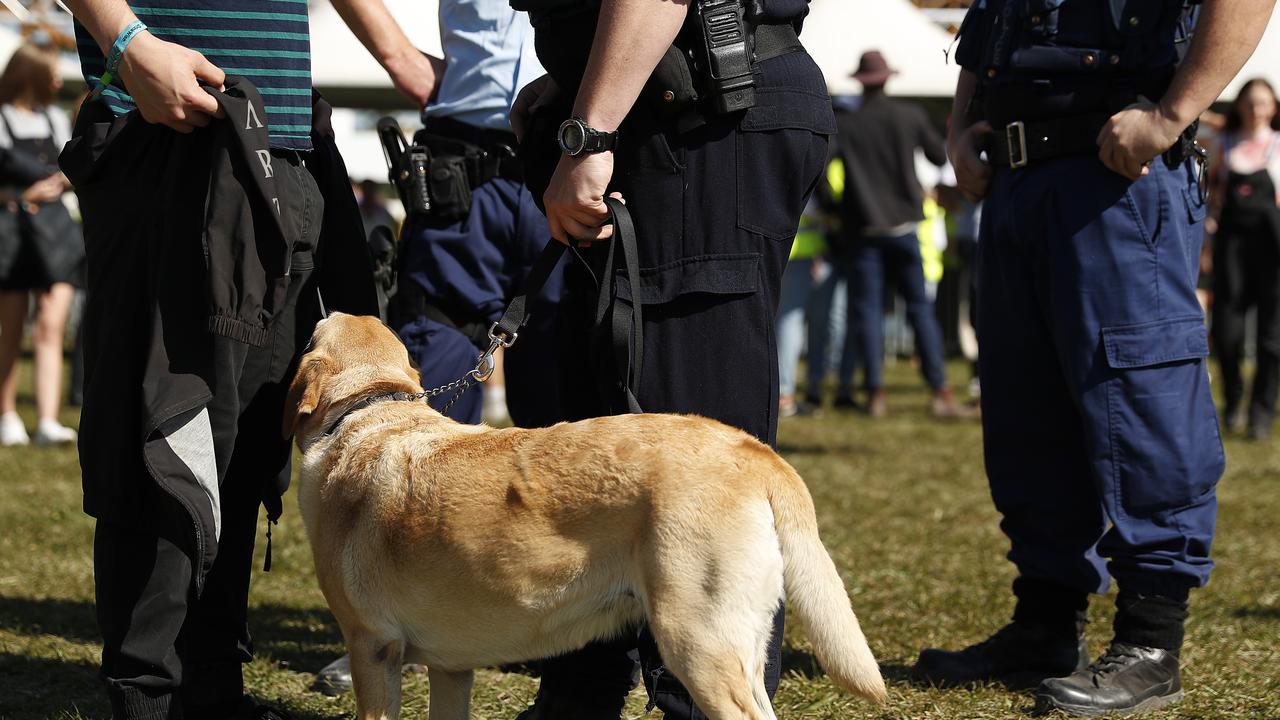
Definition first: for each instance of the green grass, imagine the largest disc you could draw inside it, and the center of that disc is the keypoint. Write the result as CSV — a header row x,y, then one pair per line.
x,y
904,509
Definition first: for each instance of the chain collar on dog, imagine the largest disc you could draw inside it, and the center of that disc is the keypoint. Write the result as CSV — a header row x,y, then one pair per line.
x,y
480,373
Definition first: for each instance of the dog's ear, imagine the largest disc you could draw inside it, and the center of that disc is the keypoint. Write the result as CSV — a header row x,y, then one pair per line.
x,y
304,393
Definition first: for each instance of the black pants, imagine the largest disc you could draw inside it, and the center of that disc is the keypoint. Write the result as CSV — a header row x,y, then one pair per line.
x,y
1246,267
168,653
716,210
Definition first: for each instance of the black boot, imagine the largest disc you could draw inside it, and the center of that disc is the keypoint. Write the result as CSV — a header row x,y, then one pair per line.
x,y
1018,655
1045,639
1126,680
1138,673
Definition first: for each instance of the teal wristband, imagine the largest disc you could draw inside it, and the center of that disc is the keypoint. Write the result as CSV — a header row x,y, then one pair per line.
x,y
117,54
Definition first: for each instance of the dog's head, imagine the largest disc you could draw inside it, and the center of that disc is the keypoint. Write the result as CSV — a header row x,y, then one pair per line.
x,y
349,358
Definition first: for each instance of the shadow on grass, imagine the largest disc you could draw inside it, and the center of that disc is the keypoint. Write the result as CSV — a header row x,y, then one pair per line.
x,y
45,687
302,639
1257,612
73,620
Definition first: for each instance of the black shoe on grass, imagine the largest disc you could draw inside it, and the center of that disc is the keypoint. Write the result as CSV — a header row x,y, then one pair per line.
x,y
1126,680
1018,655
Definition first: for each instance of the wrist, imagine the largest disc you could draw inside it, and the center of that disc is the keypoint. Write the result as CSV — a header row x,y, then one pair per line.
x,y
1175,115
398,57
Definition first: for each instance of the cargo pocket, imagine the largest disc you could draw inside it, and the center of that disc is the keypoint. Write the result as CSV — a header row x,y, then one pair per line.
x,y
1166,450
782,148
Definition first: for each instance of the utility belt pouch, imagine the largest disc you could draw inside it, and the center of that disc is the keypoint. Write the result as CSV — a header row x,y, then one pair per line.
x,y
449,186
407,167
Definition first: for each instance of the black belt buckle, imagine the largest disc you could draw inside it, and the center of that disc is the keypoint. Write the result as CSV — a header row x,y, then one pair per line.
x,y
1015,135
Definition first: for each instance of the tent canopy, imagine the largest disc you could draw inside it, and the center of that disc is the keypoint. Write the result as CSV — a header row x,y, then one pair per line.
x,y
837,32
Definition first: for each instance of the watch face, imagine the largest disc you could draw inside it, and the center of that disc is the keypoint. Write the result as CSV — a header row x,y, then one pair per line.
x,y
572,137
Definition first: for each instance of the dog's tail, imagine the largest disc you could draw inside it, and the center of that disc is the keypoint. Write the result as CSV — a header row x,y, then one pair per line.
x,y
816,593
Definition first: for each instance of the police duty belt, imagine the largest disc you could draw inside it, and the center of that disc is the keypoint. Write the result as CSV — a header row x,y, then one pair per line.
x,y
1020,143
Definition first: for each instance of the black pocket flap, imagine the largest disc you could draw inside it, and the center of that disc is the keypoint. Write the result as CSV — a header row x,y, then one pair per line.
x,y
1155,343
721,274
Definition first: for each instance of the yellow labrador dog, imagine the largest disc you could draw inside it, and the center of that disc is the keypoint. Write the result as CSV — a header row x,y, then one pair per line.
x,y
461,546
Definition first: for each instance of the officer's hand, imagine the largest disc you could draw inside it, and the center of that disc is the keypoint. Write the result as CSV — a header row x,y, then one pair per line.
x,y
1136,135
964,148
533,97
416,75
575,198
163,79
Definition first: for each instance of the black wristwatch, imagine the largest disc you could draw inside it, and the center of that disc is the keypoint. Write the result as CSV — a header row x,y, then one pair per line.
x,y
577,137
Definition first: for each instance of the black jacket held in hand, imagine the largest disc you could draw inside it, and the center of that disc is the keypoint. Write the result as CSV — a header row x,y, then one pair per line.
x,y
198,304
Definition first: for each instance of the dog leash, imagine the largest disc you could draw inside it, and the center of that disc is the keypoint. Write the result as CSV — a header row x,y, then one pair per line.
x,y
625,329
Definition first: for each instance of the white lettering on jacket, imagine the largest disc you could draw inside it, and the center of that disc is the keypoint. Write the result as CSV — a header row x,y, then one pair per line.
x,y
264,156
252,120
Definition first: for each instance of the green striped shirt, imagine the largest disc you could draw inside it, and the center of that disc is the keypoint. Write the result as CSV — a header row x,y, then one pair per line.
x,y
266,41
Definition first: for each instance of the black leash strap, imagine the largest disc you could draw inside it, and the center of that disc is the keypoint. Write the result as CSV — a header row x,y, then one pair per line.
x,y
625,329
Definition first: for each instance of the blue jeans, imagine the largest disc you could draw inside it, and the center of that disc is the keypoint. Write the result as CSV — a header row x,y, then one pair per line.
x,y
871,260
830,343
797,286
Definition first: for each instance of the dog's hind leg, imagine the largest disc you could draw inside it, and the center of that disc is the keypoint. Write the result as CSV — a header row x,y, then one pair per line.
x,y
450,694
375,672
711,612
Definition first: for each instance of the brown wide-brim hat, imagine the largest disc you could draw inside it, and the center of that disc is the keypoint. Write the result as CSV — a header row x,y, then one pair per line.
x,y
873,69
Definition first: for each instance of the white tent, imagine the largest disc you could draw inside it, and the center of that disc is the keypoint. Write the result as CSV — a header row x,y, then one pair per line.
x,y
338,60
1264,63
837,32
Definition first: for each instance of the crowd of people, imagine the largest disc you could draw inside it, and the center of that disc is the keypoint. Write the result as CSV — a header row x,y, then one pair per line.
x,y
828,216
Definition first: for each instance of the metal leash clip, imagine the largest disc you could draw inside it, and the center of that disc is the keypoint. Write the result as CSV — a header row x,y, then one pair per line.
x,y
485,363
1202,169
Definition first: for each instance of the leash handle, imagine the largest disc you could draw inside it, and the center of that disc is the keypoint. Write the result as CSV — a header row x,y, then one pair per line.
x,y
626,329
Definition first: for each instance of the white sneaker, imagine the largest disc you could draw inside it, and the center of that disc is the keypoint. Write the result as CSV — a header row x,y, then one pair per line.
x,y
12,431
51,432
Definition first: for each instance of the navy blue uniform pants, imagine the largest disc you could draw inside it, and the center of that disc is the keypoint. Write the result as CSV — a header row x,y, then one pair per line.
x,y
716,210
1100,432
470,268
871,260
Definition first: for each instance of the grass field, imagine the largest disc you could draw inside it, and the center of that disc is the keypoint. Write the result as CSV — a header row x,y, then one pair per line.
x,y
904,510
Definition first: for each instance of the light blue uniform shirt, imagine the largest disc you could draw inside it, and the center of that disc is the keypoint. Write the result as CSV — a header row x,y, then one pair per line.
x,y
489,49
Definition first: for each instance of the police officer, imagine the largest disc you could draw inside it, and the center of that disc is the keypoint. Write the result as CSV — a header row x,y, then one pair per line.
x,y
462,261
1100,433
716,180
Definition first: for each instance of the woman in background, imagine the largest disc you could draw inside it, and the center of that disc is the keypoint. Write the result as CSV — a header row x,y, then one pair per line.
x,y
40,253
1246,254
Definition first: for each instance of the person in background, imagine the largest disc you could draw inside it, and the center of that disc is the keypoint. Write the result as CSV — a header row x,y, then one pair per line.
x,y
881,209
45,259
798,283
1246,254
373,209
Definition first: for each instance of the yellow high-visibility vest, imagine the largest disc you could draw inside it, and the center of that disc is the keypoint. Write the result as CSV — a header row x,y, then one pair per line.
x,y
935,221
